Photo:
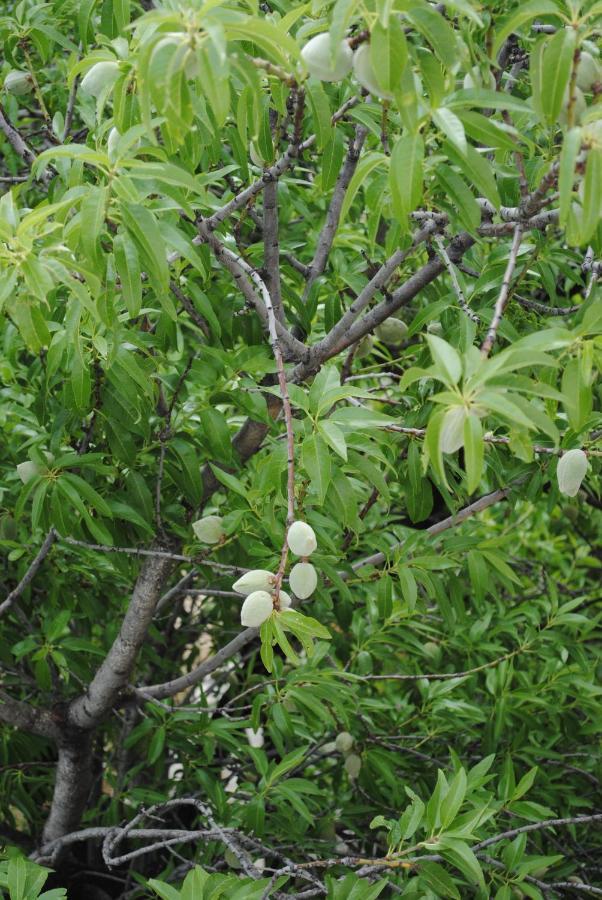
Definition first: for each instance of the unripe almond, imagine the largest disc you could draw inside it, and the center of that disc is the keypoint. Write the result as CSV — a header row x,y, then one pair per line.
x,y
317,57
365,74
18,83
301,539
256,609
571,471
364,347
344,742
27,470
303,580
451,437
391,331
112,141
353,765
100,76
256,159
255,580
285,600
588,71
209,529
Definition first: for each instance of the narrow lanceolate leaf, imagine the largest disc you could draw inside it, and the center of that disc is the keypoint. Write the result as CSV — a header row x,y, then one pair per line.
x,y
128,270
388,53
434,27
432,445
406,175
451,125
592,194
473,451
566,176
317,464
142,226
557,63
92,217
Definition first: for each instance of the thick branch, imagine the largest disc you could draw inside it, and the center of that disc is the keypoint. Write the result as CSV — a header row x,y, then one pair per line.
x,y
28,718
15,140
244,274
115,671
73,780
271,248
327,235
344,334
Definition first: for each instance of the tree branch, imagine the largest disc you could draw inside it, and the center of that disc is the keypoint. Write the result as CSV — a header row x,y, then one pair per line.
x,y
504,293
115,670
327,235
271,247
31,573
28,718
169,688
244,274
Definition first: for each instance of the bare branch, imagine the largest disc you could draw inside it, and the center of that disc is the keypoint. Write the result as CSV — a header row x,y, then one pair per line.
x,y
502,299
73,780
327,235
244,274
28,718
15,140
31,573
271,251
344,334
114,672
452,274
438,676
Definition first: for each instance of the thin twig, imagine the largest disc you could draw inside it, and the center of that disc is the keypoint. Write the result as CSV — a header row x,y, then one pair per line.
x,y
502,299
37,561
437,676
452,274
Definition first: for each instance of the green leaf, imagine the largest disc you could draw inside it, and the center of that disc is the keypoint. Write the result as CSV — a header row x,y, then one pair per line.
x,y
143,228
446,359
454,798
438,880
432,444
406,175
571,146
367,164
592,191
92,217
165,891
438,33
216,433
388,53
474,449
461,856
128,269
461,196
315,458
452,126
526,12
557,63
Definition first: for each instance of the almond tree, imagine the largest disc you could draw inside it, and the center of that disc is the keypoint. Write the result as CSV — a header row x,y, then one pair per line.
x,y
300,506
